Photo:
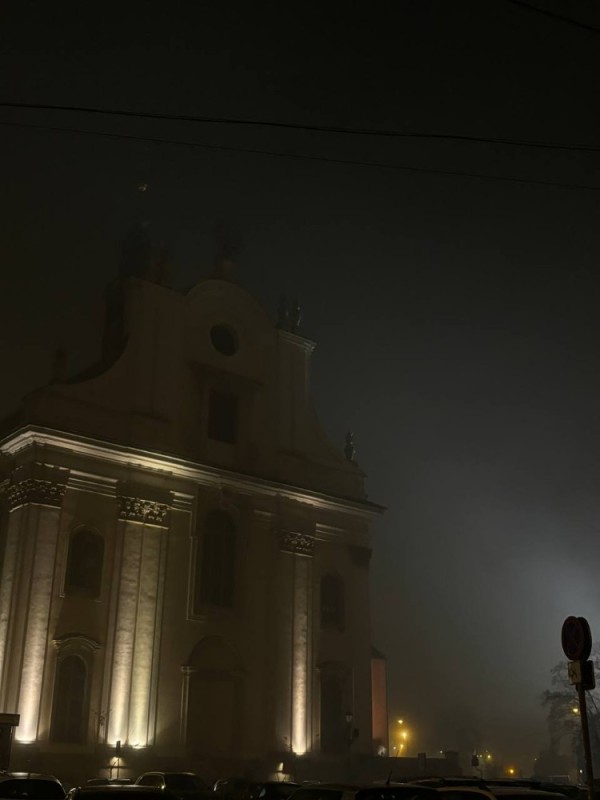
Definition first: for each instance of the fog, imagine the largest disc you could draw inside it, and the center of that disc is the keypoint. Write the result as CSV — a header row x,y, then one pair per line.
x,y
456,316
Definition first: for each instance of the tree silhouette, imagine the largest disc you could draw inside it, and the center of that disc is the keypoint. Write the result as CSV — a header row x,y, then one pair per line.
x,y
562,705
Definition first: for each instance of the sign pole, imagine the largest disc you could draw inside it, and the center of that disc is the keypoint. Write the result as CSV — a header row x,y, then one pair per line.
x,y
576,640
585,732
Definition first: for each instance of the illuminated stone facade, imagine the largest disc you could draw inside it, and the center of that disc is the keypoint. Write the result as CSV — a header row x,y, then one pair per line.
x,y
185,554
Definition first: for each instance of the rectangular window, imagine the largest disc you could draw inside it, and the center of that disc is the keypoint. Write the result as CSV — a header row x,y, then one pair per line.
x,y
222,416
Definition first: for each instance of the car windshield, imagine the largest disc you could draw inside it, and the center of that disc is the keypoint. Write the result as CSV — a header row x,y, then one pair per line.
x,y
32,788
279,790
397,793
185,783
119,793
318,793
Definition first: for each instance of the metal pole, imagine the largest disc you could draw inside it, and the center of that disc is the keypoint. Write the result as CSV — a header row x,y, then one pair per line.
x,y
585,731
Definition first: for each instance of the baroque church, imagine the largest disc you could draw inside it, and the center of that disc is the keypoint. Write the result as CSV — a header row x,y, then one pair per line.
x,y
185,554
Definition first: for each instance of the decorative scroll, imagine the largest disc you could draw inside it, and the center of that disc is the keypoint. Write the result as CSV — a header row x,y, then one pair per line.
x,y
33,490
299,543
134,509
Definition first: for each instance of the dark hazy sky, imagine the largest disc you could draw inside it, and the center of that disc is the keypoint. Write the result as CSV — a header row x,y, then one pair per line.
x,y
457,318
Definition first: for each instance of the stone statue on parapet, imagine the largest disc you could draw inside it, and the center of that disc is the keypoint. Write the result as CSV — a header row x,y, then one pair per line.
x,y
349,449
288,316
295,317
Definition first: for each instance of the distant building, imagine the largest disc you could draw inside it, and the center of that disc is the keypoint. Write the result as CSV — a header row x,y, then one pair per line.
x,y
185,576
379,702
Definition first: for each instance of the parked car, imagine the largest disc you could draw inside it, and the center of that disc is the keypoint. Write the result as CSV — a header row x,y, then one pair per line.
x,y
396,791
232,788
30,786
499,791
243,789
120,791
272,790
184,785
108,782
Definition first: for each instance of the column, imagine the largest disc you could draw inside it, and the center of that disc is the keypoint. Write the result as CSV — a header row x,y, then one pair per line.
x,y
134,674
26,594
295,631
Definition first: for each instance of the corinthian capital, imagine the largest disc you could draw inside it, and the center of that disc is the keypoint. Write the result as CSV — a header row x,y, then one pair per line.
x,y
35,490
299,543
149,512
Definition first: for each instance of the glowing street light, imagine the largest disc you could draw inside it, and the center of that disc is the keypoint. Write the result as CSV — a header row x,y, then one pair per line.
x,y
401,736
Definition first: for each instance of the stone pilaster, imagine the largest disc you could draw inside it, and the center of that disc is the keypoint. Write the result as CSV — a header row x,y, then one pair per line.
x,y
34,496
295,625
138,612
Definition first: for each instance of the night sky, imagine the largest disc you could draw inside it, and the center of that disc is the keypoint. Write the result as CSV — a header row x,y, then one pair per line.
x,y
457,317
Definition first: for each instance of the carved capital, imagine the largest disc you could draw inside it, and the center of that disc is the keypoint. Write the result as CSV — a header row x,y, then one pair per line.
x,y
34,490
299,543
148,512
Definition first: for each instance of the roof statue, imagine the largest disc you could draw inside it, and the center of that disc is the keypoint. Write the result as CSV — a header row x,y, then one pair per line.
x,y
295,317
349,449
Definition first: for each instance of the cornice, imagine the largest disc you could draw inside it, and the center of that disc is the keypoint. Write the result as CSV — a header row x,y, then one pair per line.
x,y
183,470
308,345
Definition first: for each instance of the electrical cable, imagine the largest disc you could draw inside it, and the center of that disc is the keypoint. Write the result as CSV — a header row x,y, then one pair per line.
x,y
329,129
553,15
306,157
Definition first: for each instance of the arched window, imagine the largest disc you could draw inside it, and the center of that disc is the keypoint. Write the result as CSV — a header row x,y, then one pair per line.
x,y
215,563
84,563
332,603
70,701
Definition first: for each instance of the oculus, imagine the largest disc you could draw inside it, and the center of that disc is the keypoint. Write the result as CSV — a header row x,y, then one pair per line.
x,y
224,340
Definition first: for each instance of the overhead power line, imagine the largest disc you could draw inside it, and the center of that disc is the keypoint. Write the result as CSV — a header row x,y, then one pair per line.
x,y
326,129
553,15
305,157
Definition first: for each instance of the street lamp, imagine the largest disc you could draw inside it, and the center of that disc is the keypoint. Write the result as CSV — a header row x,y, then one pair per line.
x,y
402,737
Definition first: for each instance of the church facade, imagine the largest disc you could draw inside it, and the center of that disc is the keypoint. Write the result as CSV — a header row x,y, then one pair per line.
x,y
185,555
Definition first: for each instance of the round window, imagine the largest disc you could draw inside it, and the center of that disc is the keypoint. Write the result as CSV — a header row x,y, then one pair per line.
x,y
224,340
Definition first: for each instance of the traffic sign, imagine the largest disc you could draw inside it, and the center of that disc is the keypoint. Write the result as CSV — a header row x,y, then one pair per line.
x,y
576,639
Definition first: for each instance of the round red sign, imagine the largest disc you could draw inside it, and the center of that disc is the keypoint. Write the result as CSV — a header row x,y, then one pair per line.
x,y
576,639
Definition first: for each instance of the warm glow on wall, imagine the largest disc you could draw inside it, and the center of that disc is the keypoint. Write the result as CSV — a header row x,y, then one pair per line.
x,y
36,635
118,722
300,656
141,676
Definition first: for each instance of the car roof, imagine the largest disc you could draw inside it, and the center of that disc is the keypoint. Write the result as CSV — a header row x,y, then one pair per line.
x,y
358,787
9,776
498,790
528,791
115,788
